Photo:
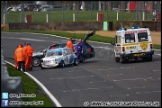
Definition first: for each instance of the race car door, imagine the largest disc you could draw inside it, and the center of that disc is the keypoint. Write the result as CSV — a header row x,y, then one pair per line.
x,y
66,57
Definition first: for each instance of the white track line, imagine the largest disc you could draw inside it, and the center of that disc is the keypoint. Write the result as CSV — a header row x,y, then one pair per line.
x,y
42,86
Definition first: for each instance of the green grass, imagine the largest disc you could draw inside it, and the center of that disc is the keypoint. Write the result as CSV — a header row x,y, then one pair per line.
x,y
156,46
67,16
30,87
97,38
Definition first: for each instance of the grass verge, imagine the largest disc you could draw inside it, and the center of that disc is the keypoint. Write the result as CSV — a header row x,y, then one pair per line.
x,y
97,38
29,87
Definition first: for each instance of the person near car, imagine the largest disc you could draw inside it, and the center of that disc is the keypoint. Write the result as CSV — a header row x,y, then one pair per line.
x,y
25,49
29,53
79,49
19,57
16,63
69,44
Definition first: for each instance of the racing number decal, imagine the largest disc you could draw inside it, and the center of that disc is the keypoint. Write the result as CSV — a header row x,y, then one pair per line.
x,y
143,46
66,59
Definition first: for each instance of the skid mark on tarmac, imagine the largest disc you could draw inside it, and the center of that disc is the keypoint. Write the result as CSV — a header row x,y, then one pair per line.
x,y
115,75
116,68
72,77
76,90
119,95
148,92
134,79
136,87
74,70
98,81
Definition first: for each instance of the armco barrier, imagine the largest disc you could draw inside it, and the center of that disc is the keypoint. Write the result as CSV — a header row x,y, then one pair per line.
x,y
9,84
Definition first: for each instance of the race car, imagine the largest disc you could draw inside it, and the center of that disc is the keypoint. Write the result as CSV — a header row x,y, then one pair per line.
x,y
88,50
58,57
37,56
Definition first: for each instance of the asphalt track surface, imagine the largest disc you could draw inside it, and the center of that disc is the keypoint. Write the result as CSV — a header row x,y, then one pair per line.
x,y
99,79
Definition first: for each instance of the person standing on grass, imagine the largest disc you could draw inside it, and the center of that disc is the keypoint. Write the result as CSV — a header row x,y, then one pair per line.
x,y
20,57
29,53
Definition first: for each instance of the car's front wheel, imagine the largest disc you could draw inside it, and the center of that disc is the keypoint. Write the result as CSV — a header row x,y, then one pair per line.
x,y
41,66
36,62
62,64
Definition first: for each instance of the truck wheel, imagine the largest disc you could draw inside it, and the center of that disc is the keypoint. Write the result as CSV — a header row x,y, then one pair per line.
x,y
150,58
117,59
122,59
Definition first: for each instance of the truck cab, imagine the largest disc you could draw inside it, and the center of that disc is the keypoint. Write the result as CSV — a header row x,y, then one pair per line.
x,y
134,43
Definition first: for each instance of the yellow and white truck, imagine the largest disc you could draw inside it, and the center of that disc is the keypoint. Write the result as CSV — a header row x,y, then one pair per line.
x,y
132,44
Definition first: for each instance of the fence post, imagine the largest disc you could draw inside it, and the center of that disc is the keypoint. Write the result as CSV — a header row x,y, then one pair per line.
x,y
97,16
117,16
73,17
143,15
25,19
47,18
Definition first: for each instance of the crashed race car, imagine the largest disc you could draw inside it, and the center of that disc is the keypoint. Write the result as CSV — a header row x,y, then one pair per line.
x,y
59,57
88,50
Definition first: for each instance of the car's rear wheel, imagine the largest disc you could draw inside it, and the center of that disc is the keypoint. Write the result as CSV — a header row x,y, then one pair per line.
x,y
36,62
82,58
150,58
75,62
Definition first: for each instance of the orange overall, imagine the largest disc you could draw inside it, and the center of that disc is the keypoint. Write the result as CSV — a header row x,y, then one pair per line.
x,y
25,50
19,56
70,45
28,62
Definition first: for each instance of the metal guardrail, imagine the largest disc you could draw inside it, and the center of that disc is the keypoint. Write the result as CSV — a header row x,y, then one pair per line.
x,y
9,84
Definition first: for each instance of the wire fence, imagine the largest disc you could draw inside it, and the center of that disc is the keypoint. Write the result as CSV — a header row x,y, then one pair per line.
x,y
75,11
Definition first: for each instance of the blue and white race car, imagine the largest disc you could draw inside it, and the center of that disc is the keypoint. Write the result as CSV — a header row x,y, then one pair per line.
x,y
58,57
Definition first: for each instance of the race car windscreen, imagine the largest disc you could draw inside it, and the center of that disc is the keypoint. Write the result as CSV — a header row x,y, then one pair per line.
x,y
129,38
56,53
57,46
142,37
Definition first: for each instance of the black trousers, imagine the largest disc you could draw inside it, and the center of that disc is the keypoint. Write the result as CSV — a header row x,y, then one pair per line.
x,y
21,64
